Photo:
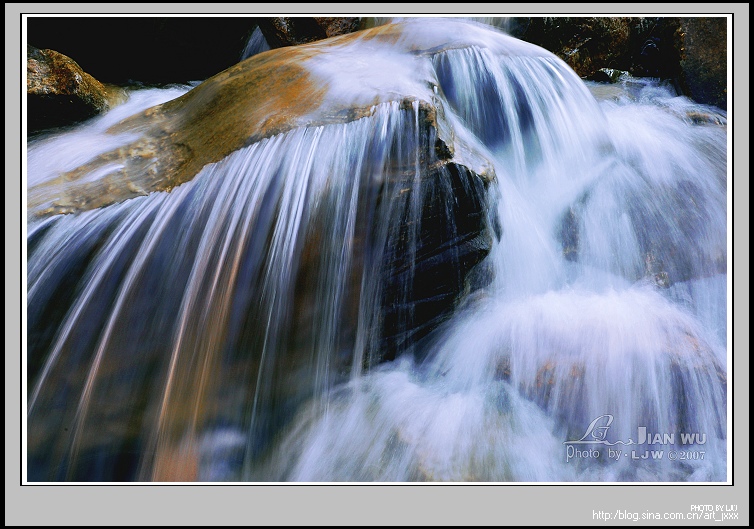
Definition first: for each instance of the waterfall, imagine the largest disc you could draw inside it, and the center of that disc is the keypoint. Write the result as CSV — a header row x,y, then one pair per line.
x,y
441,259
256,44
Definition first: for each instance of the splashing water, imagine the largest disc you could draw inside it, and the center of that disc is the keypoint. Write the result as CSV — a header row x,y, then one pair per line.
x,y
449,283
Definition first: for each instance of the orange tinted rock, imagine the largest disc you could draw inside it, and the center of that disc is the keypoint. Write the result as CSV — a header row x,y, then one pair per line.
x,y
59,92
268,94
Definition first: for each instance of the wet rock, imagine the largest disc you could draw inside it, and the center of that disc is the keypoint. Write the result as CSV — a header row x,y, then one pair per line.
x,y
224,114
663,240
698,117
655,47
569,235
587,44
689,52
662,280
562,384
180,137
704,60
291,31
453,237
607,75
59,92
334,26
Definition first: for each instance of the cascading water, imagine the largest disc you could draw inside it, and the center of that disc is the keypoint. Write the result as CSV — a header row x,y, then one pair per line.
x,y
463,270
256,44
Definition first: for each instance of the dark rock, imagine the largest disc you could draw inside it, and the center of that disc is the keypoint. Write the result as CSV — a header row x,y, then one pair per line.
x,y
334,26
569,235
423,283
704,63
59,92
691,53
291,31
650,54
587,44
655,48
607,75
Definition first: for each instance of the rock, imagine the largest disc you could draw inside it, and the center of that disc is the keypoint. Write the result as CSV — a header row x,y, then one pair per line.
x,y
291,31
664,241
698,117
608,92
704,63
335,26
453,237
587,44
565,384
204,126
607,75
690,52
319,314
59,92
225,114
569,235
655,48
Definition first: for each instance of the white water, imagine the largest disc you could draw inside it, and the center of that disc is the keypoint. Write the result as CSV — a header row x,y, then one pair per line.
x,y
226,325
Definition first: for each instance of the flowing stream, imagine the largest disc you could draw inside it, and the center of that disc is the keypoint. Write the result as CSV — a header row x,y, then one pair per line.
x,y
347,301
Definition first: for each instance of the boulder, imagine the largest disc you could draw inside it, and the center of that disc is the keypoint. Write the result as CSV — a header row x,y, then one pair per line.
x,y
268,94
664,241
587,44
656,48
690,52
59,92
291,31
607,75
654,367
704,63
